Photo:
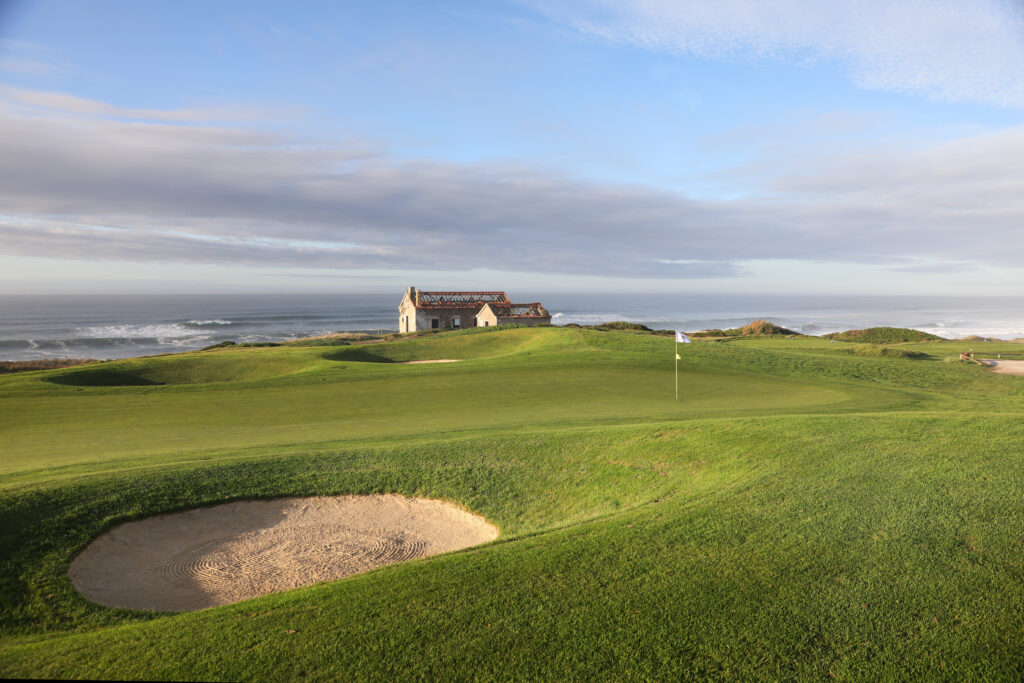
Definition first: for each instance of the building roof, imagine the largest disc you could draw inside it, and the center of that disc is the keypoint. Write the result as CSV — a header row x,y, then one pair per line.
x,y
437,300
510,310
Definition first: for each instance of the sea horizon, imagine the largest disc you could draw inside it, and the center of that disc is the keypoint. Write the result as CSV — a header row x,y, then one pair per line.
x,y
107,326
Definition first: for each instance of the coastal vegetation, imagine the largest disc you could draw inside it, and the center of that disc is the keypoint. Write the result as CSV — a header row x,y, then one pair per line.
x,y
42,364
808,507
883,335
757,328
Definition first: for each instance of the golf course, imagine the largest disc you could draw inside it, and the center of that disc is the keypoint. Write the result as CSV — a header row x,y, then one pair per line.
x,y
807,508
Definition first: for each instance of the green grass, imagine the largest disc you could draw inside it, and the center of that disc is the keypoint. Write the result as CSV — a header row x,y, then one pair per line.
x,y
808,509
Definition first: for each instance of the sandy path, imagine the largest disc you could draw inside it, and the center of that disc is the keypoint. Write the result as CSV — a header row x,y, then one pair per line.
x,y
219,555
439,360
1006,367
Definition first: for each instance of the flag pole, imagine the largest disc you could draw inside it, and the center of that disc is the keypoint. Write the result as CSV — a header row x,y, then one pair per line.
x,y
680,337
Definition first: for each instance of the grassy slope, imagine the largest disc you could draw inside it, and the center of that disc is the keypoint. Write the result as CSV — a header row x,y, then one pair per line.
x,y
802,512
320,395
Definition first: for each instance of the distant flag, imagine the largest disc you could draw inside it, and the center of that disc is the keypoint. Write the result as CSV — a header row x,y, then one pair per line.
x,y
681,338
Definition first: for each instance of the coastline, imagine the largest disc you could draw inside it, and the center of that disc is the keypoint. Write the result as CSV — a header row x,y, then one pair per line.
x,y
37,327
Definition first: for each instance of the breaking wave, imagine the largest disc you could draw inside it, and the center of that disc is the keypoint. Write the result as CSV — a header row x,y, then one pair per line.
x,y
145,331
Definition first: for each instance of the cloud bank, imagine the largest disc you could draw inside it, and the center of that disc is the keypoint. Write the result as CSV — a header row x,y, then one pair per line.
x,y
968,51
87,182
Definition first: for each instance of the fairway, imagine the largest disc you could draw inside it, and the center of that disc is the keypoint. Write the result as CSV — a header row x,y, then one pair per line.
x,y
807,509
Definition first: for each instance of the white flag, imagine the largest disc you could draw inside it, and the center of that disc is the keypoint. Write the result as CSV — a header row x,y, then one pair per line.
x,y
681,338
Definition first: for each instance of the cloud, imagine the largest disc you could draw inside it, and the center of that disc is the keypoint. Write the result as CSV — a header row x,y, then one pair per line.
x,y
73,185
967,51
25,66
42,102
944,268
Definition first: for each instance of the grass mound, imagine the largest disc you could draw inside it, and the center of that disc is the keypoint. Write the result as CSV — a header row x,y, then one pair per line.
x,y
362,354
757,328
620,325
470,343
883,335
228,344
188,368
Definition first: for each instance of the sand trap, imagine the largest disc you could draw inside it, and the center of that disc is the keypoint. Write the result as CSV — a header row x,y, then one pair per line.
x,y
219,555
1006,367
438,360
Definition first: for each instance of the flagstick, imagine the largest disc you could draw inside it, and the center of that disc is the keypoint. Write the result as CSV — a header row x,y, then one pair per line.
x,y
677,367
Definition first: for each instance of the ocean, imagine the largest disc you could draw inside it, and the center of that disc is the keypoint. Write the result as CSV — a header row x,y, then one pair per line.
x,y
87,326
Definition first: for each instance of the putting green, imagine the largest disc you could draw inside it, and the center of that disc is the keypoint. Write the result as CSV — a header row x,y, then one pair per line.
x,y
312,396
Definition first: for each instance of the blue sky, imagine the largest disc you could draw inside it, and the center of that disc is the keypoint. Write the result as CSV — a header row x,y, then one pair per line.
x,y
636,145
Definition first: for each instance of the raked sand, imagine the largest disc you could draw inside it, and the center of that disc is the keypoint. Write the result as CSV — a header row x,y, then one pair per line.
x,y
219,555
1006,367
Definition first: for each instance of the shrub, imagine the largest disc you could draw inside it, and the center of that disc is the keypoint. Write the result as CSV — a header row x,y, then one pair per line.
x,y
226,344
621,325
757,328
763,328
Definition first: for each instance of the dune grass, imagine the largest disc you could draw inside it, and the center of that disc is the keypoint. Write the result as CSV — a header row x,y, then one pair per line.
x,y
884,335
9,366
801,513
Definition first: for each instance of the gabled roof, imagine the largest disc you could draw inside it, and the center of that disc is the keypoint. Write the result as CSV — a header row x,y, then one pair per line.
x,y
458,299
510,310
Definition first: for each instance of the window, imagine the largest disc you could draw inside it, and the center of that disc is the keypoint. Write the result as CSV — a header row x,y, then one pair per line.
x,y
435,323
457,322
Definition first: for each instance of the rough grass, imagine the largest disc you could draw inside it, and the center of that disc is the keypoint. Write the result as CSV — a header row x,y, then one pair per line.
x,y
879,351
800,513
42,364
756,328
883,335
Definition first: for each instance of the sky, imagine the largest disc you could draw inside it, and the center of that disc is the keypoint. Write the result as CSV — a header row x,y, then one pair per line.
x,y
735,146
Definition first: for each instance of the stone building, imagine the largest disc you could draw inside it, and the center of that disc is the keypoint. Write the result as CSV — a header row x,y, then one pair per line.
x,y
421,310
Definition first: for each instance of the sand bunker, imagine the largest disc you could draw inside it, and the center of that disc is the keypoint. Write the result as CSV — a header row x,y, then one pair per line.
x,y
219,555
1006,367
438,360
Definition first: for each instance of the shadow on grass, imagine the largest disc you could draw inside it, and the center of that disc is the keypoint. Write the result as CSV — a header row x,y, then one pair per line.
x,y
358,356
103,378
